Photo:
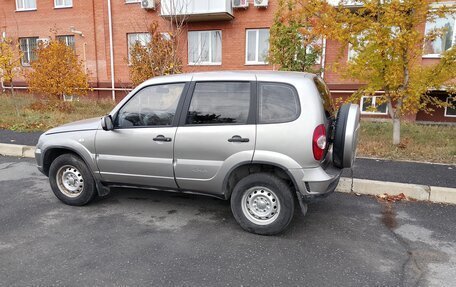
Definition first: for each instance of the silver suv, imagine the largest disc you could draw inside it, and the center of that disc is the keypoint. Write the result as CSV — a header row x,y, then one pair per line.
x,y
264,140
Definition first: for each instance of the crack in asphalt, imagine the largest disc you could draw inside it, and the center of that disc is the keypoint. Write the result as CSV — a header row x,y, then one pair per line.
x,y
389,220
8,166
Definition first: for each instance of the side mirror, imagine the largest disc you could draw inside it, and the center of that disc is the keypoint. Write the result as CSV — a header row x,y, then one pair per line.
x,y
106,123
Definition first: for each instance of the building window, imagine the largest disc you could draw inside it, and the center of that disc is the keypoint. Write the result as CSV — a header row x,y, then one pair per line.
x,y
433,49
205,47
28,49
373,105
257,49
352,54
315,45
133,39
24,5
63,3
67,40
312,47
166,36
451,111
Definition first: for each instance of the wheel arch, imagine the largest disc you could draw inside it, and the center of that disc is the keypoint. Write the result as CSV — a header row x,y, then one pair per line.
x,y
51,153
244,169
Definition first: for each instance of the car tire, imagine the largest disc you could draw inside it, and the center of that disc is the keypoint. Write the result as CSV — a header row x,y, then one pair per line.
x,y
71,180
263,204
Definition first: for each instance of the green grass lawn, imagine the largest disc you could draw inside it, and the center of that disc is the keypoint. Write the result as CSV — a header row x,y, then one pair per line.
x,y
431,143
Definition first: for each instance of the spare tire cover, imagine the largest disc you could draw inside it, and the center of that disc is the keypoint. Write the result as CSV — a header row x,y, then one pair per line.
x,y
346,136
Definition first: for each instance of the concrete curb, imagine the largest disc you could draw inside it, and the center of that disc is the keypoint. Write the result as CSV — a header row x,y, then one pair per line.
x,y
412,191
405,160
17,150
360,186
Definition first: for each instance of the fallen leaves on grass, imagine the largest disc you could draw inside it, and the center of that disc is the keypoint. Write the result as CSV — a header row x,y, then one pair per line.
x,y
434,143
51,106
392,198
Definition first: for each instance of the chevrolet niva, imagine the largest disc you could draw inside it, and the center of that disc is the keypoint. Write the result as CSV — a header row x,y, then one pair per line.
x,y
266,141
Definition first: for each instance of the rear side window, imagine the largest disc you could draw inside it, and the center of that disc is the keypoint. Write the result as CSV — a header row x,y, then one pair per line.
x,y
325,98
278,103
219,103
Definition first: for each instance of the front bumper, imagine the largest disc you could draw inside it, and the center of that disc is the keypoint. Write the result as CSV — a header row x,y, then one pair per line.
x,y
39,159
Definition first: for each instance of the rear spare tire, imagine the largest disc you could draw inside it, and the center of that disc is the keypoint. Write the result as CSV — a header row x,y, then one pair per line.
x,y
346,136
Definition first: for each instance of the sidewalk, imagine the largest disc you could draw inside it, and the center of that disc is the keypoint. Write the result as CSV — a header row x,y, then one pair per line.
x,y
422,181
404,172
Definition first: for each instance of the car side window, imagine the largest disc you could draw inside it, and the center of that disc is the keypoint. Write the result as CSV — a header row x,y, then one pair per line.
x,y
219,103
278,103
152,106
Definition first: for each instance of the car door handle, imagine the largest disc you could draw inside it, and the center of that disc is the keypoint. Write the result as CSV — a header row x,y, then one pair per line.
x,y
162,138
238,139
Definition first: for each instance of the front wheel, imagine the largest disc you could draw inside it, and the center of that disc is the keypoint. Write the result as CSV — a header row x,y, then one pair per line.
x,y
263,204
71,180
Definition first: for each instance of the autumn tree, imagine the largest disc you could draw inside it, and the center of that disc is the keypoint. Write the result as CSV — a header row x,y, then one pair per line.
x,y
57,72
10,62
157,57
293,44
386,38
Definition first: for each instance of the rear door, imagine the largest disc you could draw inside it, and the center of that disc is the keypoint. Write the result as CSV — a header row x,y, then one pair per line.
x,y
217,131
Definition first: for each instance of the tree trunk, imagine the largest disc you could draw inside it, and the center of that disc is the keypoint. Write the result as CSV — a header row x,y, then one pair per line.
x,y
396,130
395,113
13,97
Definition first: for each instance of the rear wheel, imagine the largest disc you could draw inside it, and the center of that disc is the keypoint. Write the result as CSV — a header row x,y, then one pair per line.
x,y
263,204
71,180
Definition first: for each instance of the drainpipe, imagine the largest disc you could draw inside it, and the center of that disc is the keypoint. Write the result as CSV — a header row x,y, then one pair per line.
x,y
95,42
3,87
111,51
323,58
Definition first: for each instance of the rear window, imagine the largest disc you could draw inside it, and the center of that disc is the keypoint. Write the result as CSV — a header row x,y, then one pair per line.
x,y
278,103
325,97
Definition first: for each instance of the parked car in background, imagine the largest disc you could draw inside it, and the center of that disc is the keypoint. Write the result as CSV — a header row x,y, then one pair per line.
x,y
263,140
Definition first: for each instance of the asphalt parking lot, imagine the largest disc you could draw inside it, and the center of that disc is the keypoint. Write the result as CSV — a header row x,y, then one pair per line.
x,y
136,237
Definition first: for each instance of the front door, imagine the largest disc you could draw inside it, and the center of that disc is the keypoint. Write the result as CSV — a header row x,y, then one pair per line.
x,y
216,133
139,151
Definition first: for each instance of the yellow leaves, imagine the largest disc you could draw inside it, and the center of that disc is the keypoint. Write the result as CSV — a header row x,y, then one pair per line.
x,y
157,58
295,43
57,72
9,60
390,50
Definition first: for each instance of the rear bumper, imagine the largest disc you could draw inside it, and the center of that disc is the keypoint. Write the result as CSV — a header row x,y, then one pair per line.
x,y
317,181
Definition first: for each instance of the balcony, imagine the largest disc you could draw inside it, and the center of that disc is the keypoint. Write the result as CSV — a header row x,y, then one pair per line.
x,y
197,10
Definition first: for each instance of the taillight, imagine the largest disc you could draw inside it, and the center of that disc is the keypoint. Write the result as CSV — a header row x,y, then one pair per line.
x,y
319,142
